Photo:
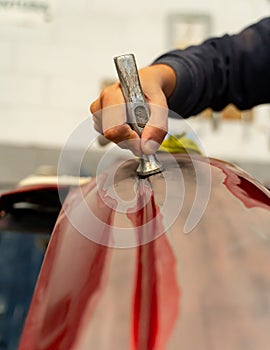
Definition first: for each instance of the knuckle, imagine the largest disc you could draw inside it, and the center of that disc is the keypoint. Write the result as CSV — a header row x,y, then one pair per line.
x,y
92,108
112,134
110,94
117,133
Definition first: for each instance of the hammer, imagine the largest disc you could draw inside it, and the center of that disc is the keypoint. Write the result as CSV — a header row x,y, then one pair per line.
x,y
138,112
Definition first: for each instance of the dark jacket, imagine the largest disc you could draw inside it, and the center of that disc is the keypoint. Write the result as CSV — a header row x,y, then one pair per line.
x,y
231,69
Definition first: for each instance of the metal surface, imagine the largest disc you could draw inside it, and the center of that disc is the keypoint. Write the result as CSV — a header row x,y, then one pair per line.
x,y
137,108
149,165
206,290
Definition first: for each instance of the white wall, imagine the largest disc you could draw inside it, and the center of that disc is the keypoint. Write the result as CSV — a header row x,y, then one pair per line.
x,y
50,72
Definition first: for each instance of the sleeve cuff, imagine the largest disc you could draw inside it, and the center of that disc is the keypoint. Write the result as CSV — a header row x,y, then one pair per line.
x,y
179,99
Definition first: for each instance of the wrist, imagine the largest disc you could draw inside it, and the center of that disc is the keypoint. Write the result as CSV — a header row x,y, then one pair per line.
x,y
163,74
167,78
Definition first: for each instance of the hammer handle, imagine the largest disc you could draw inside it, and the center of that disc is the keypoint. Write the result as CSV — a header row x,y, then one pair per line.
x,y
138,110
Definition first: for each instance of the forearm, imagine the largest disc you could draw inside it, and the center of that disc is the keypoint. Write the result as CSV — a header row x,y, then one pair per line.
x,y
231,69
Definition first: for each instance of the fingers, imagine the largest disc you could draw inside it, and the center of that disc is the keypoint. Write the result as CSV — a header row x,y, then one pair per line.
x,y
111,122
155,130
157,126
124,137
109,112
97,120
109,117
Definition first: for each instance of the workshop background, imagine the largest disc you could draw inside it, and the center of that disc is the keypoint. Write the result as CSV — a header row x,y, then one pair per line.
x,y
54,57
56,54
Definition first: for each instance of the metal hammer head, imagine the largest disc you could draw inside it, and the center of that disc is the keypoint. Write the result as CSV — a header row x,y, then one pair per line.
x,y
149,165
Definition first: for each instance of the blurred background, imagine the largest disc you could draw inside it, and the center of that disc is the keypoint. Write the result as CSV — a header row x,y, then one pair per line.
x,y
55,55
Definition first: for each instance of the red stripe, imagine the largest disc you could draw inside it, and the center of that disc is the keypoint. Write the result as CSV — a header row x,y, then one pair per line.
x,y
154,311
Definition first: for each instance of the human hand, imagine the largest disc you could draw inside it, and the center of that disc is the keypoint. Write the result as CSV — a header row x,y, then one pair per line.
x,y
109,111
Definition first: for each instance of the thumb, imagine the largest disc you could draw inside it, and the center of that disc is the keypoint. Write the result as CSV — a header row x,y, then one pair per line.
x,y
155,130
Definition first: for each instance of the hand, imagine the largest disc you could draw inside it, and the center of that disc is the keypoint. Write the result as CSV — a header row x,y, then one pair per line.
x,y
109,111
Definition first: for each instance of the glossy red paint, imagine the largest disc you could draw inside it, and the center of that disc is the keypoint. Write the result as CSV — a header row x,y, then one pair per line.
x,y
89,296
153,272
70,260
249,191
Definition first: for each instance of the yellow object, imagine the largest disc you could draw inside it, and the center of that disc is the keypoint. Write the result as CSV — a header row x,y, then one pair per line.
x,y
179,144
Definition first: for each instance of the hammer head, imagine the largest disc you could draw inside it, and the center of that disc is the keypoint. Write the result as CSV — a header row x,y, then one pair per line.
x,y
149,165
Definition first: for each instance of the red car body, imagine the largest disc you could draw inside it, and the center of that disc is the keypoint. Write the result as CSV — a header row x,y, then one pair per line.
x,y
204,289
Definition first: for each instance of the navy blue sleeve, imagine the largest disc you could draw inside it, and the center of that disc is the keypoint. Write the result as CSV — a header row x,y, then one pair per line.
x,y
230,69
